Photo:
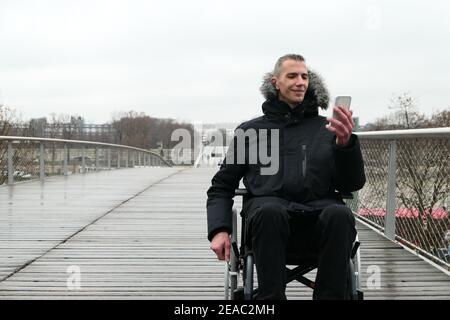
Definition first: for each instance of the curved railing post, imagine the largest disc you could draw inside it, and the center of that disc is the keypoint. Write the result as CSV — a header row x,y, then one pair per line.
x,y
65,156
96,159
10,152
109,158
41,162
391,203
83,159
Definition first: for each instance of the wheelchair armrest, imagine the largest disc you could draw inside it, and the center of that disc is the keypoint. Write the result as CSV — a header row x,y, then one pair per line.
x,y
244,192
241,192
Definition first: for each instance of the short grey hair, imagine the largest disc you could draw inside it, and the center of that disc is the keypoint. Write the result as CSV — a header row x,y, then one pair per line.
x,y
296,57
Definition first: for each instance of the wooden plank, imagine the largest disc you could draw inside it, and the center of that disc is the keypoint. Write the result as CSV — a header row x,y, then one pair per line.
x,y
154,247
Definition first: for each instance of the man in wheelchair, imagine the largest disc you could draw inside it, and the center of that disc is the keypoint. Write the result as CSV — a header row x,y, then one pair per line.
x,y
298,207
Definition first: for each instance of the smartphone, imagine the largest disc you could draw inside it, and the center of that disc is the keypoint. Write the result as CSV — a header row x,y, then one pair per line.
x,y
344,101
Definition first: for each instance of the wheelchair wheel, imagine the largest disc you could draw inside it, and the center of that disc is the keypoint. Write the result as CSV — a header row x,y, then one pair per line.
x,y
352,281
232,267
231,277
227,287
248,278
354,275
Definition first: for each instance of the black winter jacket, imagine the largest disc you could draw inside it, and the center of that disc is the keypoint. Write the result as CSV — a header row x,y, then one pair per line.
x,y
312,168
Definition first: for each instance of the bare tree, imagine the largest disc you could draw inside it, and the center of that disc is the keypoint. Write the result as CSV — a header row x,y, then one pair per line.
x,y
132,128
65,126
9,123
440,119
142,131
422,175
423,171
406,114
8,120
423,185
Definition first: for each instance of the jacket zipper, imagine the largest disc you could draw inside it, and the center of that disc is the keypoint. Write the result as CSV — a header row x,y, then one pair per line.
x,y
304,160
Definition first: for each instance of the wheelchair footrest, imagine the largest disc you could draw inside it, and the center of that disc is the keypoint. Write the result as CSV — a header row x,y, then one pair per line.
x,y
238,294
360,295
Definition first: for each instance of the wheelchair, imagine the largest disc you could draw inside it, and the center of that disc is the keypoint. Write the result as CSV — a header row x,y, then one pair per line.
x,y
241,264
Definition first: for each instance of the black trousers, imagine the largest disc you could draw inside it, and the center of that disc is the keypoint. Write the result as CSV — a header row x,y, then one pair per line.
x,y
276,229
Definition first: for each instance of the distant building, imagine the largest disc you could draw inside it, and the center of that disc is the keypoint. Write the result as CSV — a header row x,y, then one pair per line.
x,y
76,129
37,127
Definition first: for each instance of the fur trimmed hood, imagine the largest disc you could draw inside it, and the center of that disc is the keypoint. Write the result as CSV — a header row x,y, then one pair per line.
x,y
316,96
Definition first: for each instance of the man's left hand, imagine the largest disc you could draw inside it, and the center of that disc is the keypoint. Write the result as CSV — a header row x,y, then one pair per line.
x,y
341,125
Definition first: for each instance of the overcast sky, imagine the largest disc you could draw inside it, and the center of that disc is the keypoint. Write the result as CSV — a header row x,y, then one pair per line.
x,y
203,60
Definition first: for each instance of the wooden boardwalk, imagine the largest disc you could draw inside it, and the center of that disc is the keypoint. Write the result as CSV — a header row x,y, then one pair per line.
x,y
141,234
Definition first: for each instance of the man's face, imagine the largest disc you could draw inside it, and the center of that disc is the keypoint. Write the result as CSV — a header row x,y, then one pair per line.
x,y
292,82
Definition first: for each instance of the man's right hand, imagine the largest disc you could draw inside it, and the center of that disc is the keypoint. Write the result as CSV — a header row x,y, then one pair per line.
x,y
220,244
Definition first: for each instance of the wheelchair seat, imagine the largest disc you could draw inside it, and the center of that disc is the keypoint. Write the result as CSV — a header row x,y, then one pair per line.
x,y
303,261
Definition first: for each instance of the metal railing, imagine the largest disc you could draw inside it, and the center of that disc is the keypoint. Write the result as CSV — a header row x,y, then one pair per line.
x,y
27,158
407,189
179,156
